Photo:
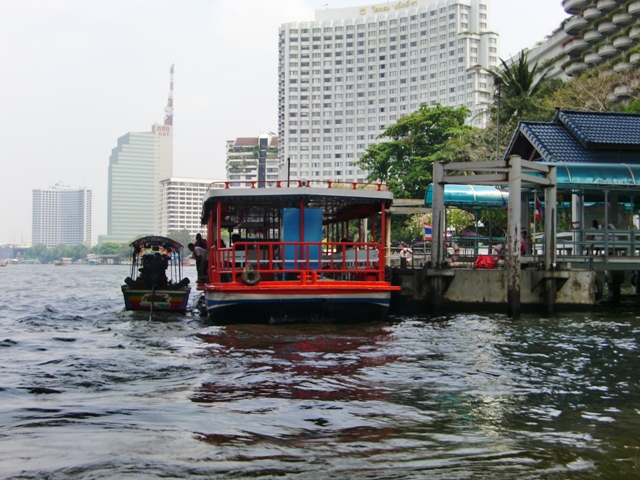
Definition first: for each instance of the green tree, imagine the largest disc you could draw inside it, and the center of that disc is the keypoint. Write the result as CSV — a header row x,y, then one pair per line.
x,y
521,88
594,91
109,248
181,236
406,161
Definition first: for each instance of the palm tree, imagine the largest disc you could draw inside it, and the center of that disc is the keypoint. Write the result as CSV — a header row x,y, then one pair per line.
x,y
519,87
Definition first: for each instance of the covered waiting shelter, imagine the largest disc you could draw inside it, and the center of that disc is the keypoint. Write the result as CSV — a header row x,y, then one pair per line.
x,y
473,198
597,159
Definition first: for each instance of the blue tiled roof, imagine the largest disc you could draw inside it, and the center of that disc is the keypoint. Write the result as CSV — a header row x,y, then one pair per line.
x,y
556,143
602,129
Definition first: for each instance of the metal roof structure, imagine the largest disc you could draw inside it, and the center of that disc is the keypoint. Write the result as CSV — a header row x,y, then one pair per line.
x,y
574,137
470,197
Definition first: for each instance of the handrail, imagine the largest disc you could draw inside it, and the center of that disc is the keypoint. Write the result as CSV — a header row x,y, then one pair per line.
x,y
277,261
227,184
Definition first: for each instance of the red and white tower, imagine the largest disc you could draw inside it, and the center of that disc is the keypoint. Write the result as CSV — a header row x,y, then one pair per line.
x,y
168,111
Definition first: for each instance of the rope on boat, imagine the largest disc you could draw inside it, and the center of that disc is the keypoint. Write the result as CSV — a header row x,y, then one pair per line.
x,y
153,296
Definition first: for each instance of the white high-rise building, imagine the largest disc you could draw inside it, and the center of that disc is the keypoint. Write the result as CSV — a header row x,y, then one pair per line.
x,y
181,204
61,215
136,167
352,72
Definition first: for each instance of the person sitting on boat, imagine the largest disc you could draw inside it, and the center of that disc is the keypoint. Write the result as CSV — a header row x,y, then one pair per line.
x,y
154,269
200,255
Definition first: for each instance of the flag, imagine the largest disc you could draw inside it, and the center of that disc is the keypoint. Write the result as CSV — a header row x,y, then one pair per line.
x,y
427,232
505,207
539,209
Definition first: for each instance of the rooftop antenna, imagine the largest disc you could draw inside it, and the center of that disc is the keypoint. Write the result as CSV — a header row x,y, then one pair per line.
x,y
168,117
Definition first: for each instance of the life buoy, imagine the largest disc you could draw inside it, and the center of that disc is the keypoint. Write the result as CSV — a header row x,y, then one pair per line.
x,y
250,277
406,253
456,251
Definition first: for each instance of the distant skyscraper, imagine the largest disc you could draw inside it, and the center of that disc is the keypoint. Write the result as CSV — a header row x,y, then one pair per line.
x,y
61,215
181,204
251,159
136,167
352,72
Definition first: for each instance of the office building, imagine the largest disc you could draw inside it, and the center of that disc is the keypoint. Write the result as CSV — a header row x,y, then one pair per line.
x,y
252,159
136,167
181,204
352,72
61,215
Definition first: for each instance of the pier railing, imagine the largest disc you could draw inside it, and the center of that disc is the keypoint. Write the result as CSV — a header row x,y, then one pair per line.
x,y
581,249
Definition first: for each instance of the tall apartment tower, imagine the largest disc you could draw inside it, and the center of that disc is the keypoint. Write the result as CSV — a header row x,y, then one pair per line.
x,y
61,215
352,72
181,204
252,159
136,167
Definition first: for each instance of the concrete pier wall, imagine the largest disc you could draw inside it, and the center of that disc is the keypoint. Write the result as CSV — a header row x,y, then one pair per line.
x,y
468,288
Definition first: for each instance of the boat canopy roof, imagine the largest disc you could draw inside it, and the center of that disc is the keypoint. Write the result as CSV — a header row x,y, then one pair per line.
x,y
156,241
339,201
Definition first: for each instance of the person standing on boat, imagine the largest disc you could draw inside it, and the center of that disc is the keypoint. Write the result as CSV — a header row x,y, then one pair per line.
x,y
200,242
200,255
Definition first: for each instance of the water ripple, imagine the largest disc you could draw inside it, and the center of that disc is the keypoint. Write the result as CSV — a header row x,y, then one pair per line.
x,y
90,391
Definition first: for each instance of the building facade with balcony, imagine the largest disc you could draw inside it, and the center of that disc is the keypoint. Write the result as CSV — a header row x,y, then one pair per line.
x,y
181,204
61,215
251,159
352,72
599,33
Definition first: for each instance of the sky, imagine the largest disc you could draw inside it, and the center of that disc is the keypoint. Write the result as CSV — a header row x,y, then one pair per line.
x,y
75,75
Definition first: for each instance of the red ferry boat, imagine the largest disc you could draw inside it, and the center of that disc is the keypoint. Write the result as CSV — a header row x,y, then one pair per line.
x,y
299,250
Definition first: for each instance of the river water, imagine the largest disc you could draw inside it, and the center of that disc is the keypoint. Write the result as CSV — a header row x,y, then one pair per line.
x,y
90,391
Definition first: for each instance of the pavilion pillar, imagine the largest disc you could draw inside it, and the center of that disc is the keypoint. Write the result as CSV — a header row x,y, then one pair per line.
x,y
514,237
437,244
550,251
437,216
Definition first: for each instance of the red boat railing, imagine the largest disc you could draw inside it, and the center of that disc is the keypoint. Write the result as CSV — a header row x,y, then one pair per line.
x,y
306,262
225,184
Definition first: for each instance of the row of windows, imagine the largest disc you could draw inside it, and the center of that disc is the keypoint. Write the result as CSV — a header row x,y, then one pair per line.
x,y
382,41
442,66
464,9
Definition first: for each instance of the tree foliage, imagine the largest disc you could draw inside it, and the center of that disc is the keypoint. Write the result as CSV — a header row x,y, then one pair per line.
x,y
405,162
522,88
57,253
181,236
594,91
109,248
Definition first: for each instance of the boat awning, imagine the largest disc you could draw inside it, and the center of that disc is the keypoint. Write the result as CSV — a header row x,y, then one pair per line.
x,y
156,241
470,197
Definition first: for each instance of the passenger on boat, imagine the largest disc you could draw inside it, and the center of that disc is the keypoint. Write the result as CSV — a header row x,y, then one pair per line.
x,y
154,269
234,239
200,242
200,255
